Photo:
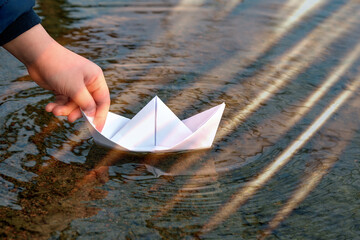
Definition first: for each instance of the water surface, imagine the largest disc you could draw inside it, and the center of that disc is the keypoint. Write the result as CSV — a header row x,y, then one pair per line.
x,y
285,161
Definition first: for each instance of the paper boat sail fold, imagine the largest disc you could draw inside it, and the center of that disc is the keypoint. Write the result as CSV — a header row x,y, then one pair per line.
x,y
157,129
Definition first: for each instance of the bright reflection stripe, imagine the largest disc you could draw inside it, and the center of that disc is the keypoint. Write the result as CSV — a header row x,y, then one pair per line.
x,y
184,23
334,76
252,186
305,107
229,68
323,41
313,179
181,26
315,44
332,79
229,6
302,10
290,4
306,187
187,162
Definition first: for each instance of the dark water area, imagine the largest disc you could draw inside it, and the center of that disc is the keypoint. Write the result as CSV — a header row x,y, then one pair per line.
x,y
285,163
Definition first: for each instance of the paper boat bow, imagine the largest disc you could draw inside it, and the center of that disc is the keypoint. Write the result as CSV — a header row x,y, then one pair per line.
x,y
157,129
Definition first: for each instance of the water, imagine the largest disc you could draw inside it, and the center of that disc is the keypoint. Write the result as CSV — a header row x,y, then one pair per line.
x,y
285,162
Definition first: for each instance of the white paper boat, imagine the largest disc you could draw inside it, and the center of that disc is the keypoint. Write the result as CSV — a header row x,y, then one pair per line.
x,y
157,129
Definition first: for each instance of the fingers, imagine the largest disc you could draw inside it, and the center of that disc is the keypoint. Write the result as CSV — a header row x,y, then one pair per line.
x,y
59,100
64,110
74,115
50,106
71,110
102,98
62,106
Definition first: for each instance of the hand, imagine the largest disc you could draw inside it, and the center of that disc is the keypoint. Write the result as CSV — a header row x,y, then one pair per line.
x,y
77,82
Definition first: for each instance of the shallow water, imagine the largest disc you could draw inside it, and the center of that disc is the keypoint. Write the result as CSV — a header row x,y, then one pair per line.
x,y
285,161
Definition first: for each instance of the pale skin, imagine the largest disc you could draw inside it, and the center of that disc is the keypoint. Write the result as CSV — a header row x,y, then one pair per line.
x,y
77,82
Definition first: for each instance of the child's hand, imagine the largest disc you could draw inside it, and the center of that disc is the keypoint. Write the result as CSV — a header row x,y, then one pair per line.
x,y
76,81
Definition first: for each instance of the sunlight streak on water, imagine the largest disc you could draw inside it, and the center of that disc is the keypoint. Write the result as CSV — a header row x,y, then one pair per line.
x,y
239,198
316,42
177,31
318,39
179,167
310,102
230,67
311,180
179,28
302,10
228,7
301,111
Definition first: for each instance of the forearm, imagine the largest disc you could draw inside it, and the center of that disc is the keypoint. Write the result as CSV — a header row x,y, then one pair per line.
x,y
29,46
